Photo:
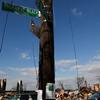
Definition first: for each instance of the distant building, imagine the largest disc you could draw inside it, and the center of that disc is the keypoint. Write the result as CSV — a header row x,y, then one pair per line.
x,y
3,84
19,86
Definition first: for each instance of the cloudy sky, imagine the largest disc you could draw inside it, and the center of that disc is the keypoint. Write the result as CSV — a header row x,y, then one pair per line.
x,y
19,56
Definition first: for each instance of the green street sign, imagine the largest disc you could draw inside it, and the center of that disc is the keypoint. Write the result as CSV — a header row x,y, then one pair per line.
x,y
42,9
20,10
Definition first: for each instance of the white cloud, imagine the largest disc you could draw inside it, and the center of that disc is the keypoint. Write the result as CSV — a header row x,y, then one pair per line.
x,y
2,73
92,68
29,82
24,71
68,82
25,56
89,70
13,74
97,57
76,12
64,62
64,65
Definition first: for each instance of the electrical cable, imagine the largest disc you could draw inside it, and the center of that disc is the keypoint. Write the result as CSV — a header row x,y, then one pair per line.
x,y
35,67
54,19
4,31
74,46
35,60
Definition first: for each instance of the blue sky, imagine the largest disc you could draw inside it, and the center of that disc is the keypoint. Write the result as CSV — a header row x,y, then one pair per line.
x,y
16,58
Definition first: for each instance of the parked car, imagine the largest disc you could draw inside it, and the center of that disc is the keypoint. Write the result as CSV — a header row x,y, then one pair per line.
x,y
95,96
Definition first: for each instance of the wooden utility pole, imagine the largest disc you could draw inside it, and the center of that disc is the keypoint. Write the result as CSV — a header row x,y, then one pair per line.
x,y
46,37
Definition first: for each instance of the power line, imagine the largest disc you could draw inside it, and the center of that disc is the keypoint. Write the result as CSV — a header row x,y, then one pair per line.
x,y
74,46
73,42
35,67
4,32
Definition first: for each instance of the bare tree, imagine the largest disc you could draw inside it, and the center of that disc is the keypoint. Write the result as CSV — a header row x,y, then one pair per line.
x,y
61,84
80,81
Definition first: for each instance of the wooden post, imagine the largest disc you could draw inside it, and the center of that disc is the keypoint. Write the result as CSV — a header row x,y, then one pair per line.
x,y
46,54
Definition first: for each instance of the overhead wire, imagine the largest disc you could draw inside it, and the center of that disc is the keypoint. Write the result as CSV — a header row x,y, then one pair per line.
x,y
34,59
54,19
4,31
74,45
